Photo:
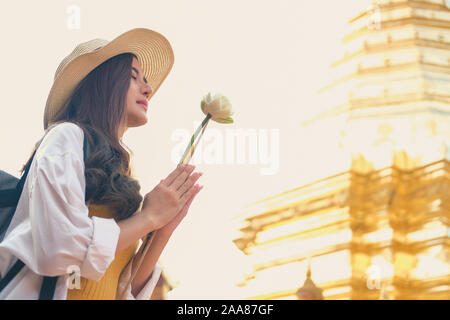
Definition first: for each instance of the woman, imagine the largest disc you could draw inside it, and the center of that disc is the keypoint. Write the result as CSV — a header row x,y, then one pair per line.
x,y
89,216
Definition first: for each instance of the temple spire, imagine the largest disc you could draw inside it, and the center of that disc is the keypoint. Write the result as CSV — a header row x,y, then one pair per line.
x,y
309,291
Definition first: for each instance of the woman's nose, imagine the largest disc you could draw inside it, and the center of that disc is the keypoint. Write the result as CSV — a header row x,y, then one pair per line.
x,y
147,90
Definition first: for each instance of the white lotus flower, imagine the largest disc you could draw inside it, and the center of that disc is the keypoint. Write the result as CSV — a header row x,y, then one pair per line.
x,y
219,107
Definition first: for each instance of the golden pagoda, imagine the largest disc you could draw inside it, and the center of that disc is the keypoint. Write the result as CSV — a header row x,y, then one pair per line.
x,y
309,290
378,227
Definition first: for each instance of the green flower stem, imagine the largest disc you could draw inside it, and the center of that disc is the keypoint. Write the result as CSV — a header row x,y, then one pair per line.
x,y
194,136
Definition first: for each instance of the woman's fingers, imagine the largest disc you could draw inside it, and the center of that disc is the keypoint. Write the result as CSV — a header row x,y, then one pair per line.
x,y
181,178
188,203
189,183
188,194
189,200
173,224
181,182
174,174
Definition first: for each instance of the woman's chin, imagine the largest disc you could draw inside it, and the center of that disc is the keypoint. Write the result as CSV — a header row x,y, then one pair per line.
x,y
138,121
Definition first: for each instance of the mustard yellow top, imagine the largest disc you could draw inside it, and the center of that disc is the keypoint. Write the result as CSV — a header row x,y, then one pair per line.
x,y
106,288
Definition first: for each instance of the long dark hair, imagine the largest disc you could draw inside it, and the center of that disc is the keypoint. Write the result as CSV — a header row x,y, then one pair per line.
x,y
98,107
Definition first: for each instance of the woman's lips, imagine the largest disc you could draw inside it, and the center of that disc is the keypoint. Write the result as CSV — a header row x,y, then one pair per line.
x,y
144,104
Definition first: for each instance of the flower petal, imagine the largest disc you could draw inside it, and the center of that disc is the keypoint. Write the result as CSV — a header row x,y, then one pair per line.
x,y
219,107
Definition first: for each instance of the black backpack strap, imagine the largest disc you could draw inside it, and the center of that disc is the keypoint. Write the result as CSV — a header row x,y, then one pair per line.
x,y
48,288
10,197
48,283
15,269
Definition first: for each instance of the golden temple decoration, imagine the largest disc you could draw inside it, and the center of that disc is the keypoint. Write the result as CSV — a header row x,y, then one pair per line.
x,y
309,291
379,227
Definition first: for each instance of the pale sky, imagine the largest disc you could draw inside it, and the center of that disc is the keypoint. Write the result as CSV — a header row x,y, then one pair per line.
x,y
268,57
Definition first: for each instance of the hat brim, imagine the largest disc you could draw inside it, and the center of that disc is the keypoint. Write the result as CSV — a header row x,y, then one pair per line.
x,y
152,49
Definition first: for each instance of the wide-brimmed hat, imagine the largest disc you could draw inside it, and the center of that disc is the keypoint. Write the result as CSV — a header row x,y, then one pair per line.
x,y
151,48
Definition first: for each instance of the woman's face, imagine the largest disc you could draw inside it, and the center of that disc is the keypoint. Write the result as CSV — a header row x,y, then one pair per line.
x,y
136,101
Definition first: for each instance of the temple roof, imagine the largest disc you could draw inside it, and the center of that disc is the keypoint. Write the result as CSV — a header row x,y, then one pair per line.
x,y
309,291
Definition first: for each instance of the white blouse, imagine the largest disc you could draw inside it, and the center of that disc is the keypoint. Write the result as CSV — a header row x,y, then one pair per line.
x,y
51,231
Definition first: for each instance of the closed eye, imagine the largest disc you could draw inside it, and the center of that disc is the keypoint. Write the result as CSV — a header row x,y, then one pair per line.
x,y
137,71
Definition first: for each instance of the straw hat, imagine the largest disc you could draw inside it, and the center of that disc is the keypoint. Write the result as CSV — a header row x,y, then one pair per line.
x,y
152,50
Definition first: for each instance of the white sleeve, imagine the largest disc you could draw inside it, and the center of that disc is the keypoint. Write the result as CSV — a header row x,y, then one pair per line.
x,y
63,235
147,290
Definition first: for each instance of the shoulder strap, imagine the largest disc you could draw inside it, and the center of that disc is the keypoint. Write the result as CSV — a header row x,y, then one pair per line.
x,y
11,274
48,288
48,283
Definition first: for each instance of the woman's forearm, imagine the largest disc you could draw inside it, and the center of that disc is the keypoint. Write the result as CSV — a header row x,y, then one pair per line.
x,y
133,229
149,262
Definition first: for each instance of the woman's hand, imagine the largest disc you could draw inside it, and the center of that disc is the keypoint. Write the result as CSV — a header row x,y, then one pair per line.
x,y
170,196
169,228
